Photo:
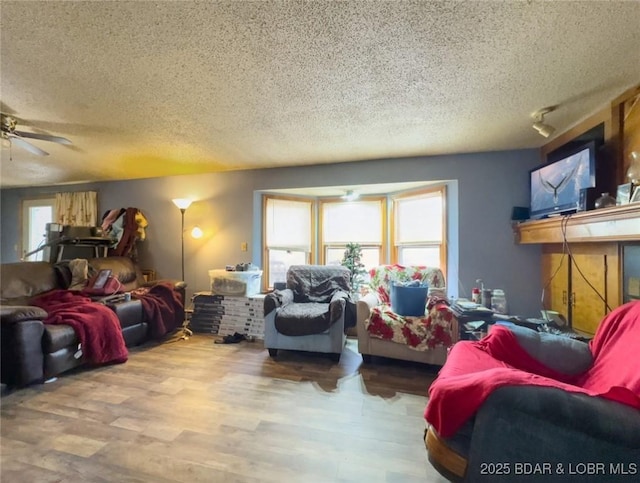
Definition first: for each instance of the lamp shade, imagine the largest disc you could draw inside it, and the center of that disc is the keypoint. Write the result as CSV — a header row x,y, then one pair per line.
x,y
182,203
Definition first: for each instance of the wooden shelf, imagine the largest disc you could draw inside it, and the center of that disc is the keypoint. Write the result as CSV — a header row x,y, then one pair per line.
x,y
618,224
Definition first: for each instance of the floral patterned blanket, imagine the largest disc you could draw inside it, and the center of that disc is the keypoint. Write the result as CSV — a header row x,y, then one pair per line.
x,y
421,333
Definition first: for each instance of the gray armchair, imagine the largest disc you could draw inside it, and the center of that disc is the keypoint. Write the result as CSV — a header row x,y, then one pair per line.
x,y
537,430
309,315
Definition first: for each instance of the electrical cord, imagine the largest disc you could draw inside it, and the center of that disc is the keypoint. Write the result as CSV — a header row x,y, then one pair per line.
x,y
564,236
565,246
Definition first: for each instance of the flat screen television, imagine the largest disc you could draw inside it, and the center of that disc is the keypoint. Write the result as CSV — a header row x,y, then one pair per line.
x,y
558,187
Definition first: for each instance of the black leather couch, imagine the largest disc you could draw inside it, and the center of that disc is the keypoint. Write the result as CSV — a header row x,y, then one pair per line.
x,y
32,351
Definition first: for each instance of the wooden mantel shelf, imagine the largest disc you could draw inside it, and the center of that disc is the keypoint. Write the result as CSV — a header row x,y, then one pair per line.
x,y
619,223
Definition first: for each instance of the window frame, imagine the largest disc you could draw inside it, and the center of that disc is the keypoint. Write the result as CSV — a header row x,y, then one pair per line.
x,y
324,247
25,221
440,190
310,257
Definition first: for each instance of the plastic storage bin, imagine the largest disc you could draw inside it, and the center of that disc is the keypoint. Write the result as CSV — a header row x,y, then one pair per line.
x,y
409,301
240,284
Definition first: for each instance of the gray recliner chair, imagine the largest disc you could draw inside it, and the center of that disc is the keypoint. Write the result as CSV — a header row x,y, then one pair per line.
x,y
560,409
309,315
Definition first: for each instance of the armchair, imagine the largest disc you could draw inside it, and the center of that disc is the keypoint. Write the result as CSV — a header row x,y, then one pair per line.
x,y
569,410
381,332
309,315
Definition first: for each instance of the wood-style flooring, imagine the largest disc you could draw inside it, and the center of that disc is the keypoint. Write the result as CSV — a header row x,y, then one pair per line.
x,y
195,411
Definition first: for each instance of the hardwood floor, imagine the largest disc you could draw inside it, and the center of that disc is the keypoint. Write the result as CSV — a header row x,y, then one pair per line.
x,y
195,411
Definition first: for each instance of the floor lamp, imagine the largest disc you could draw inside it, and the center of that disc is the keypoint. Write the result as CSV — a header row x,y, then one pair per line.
x,y
183,204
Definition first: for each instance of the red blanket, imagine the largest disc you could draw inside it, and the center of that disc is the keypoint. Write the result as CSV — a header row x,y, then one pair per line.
x,y
162,307
96,325
475,369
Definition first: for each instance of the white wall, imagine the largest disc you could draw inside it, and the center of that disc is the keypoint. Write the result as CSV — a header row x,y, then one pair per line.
x,y
489,185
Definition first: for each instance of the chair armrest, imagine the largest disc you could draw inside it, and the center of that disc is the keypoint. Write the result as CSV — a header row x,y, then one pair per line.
x,y
276,299
11,314
440,312
22,359
562,354
562,427
337,305
599,417
363,309
366,303
340,295
177,284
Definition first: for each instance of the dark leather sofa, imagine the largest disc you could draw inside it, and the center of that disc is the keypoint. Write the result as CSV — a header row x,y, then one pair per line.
x,y
32,351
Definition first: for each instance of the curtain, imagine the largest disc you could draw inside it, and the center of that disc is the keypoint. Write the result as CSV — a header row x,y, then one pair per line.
x,y
76,209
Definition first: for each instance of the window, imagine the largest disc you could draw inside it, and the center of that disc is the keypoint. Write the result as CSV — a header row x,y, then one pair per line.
x,y
35,216
419,229
288,232
361,222
414,234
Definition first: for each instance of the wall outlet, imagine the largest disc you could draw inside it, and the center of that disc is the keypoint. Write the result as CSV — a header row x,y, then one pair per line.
x,y
244,246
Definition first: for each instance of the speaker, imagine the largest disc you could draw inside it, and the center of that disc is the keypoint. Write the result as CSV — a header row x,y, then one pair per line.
x,y
519,213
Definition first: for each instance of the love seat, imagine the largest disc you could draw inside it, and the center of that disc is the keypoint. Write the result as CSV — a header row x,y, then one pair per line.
x,y
32,351
523,406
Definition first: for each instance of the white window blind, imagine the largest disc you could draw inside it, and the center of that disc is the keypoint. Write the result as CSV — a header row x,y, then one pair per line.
x,y
288,224
352,222
419,219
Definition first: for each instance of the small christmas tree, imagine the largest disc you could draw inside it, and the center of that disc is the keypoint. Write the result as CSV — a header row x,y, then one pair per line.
x,y
353,261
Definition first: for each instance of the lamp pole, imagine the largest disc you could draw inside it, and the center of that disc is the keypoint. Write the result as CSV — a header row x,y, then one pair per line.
x,y
182,210
182,204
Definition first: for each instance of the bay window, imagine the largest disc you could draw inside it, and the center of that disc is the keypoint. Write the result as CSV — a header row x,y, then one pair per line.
x,y
414,233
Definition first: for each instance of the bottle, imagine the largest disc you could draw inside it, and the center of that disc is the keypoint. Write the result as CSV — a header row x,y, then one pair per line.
x,y
605,201
475,295
498,301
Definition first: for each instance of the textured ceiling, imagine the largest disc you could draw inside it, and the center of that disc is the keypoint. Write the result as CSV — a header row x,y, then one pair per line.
x,y
159,88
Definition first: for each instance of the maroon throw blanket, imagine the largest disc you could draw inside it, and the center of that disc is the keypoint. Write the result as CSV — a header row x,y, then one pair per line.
x,y
475,369
162,307
96,325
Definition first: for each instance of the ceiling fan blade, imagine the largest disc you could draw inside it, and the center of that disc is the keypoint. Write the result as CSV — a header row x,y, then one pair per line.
x,y
28,146
42,137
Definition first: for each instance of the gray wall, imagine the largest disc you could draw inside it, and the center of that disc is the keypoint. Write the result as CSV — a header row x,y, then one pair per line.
x,y
225,207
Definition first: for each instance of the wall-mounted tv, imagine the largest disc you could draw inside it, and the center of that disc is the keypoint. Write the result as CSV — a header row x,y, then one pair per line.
x,y
557,187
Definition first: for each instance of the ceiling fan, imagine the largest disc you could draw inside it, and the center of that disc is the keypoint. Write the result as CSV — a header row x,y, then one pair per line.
x,y
8,126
